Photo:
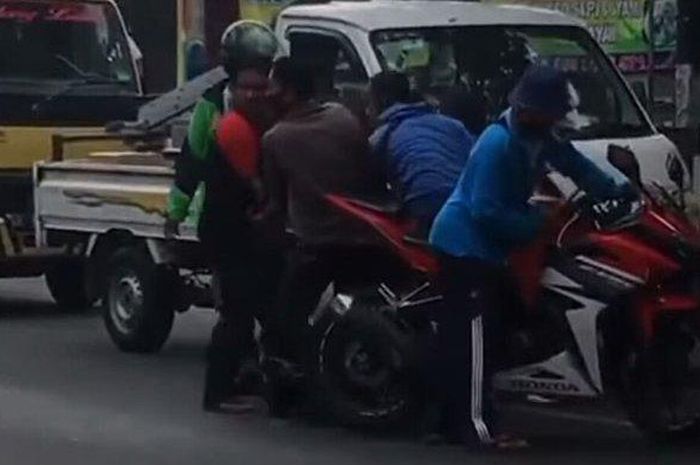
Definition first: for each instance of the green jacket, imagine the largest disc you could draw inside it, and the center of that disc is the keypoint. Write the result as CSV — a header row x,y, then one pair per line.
x,y
186,198
207,190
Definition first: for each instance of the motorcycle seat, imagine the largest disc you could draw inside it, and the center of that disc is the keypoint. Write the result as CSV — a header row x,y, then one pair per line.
x,y
418,240
385,205
418,236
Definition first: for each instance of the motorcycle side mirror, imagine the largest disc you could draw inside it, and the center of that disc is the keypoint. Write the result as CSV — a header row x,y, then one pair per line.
x,y
624,160
676,173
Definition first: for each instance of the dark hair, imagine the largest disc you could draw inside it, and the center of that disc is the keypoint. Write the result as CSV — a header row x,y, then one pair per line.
x,y
471,108
542,89
295,75
389,88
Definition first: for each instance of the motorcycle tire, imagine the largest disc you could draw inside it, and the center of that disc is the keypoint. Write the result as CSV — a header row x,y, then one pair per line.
x,y
651,395
366,370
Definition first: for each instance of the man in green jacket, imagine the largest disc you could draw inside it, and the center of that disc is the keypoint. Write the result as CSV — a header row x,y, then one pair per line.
x,y
237,257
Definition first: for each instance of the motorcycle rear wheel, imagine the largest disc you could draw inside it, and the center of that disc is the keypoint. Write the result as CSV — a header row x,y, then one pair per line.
x,y
366,370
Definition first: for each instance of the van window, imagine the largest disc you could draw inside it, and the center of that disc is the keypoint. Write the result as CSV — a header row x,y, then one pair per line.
x,y
438,59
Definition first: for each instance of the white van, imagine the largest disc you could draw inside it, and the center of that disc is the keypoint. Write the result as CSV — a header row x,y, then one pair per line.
x,y
441,44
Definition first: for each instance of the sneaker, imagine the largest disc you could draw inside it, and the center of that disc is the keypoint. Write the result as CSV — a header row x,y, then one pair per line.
x,y
235,405
510,442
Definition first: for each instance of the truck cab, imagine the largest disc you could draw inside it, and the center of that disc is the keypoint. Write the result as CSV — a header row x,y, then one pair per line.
x,y
483,49
65,67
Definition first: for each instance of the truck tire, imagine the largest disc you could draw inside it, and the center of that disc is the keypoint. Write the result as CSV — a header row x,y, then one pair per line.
x,y
66,283
138,307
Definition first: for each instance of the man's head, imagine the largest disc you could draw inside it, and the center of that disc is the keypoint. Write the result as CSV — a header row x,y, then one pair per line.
x,y
542,98
292,82
247,51
389,88
471,108
251,95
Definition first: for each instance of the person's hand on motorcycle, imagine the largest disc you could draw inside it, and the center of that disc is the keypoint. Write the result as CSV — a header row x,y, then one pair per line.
x,y
171,228
629,192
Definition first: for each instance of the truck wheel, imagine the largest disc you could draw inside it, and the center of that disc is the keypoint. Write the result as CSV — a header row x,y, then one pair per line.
x,y
66,282
138,307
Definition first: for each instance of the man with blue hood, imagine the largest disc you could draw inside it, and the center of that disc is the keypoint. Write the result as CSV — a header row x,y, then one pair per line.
x,y
423,152
485,218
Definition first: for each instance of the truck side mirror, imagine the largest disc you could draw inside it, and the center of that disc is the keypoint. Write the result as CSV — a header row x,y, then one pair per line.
x,y
640,90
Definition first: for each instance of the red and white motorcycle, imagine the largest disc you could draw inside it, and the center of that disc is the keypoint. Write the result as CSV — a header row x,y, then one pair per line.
x,y
610,294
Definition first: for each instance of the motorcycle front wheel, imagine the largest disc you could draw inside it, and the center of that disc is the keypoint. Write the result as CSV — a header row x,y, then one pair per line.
x,y
655,382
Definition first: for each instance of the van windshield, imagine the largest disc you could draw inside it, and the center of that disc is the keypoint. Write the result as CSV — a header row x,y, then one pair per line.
x,y
46,42
488,61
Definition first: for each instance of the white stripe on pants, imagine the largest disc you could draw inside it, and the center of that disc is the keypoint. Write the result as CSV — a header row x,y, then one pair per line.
x,y
477,388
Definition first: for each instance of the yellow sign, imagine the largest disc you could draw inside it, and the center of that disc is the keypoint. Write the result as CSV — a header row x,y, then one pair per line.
x,y
262,10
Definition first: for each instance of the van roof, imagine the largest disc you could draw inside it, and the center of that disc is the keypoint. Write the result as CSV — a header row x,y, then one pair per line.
x,y
372,15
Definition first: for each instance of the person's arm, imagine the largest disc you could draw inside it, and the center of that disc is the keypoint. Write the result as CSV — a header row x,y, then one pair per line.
x,y
239,142
467,142
189,165
274,213
490,178
375,138
584,172
379,149
188,174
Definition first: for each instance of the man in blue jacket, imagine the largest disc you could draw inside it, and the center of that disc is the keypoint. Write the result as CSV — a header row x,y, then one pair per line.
x,y
485,218
423,151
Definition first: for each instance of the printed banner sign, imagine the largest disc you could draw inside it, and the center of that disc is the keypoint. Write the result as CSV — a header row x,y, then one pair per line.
x,y
261,10
622,26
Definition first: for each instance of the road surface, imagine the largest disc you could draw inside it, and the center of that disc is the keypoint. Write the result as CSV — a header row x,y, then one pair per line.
x,y
67,396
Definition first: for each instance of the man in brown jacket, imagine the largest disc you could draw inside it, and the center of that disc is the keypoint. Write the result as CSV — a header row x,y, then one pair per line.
x,y
314,150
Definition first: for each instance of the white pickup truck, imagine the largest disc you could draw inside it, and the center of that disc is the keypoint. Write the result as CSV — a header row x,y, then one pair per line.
x,y
109,208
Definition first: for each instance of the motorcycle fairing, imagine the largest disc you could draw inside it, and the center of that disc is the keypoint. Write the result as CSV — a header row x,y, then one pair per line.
x,y
588,287
558,375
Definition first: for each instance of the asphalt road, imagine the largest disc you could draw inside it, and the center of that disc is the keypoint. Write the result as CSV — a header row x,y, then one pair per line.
x,y
67,396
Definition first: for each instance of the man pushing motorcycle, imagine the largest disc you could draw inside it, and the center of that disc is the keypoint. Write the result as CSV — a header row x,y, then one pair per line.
x,y
486,217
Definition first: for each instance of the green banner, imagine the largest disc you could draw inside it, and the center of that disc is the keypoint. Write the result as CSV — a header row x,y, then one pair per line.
x,y
621,26
261,10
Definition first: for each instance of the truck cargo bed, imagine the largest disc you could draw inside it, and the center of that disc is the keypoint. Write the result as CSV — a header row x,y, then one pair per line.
x,y
124,191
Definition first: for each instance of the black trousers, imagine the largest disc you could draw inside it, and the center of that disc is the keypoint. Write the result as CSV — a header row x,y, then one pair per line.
x,y
466,346
308,273
245,286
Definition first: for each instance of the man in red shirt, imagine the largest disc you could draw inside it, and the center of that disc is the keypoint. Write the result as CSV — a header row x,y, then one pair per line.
x,y
247,265
224,147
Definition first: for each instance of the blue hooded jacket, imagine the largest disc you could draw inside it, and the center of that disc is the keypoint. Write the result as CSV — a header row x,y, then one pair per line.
x,y
488,214
424,153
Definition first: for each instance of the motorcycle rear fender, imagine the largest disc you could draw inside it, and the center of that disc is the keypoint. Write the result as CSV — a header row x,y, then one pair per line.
x,y
393,229
331,307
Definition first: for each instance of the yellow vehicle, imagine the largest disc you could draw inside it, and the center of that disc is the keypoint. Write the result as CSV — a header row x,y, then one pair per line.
x,y
65,67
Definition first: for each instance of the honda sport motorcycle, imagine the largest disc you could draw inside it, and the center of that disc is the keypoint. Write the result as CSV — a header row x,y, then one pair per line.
x,y
609,297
